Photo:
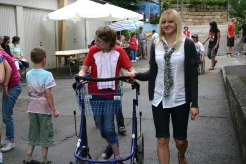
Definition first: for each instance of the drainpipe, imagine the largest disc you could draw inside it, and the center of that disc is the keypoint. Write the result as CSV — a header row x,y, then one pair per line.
x,y
228,8
182,8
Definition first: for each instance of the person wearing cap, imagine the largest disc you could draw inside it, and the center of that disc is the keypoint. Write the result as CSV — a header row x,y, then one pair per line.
x,y
154,35
243,37
199,47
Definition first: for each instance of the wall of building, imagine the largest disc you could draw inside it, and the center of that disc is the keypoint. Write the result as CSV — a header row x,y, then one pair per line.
x,y
201,14
148,9
24,18
39,4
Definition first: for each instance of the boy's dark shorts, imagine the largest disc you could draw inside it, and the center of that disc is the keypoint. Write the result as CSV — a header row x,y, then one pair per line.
x,y
179,116
41,132
230,42
243,40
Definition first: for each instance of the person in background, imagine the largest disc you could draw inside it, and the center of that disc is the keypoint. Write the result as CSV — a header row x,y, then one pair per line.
x,y
133,47
142,44
93,42
5,46
213,46
230,37
243,37
40,106
4,68
119,41
199,49
17,54
11,91
173,85
186,32
154,35
109,58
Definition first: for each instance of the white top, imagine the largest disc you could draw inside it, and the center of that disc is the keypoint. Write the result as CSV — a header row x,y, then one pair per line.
x,y
154,36
106,67
177,90
199,47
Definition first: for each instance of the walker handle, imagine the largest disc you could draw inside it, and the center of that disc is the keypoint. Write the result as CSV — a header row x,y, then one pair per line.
x,y
78,78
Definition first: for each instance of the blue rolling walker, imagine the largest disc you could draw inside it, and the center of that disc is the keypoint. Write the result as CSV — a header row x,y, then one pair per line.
x,y
90,106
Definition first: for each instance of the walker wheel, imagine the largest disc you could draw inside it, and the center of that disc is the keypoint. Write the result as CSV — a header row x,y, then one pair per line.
x,y
140,153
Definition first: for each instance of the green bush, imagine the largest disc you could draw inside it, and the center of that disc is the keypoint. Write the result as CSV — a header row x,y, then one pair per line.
x,y
238,28
155,19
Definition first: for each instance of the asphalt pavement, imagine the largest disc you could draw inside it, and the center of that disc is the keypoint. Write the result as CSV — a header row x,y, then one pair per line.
x,y
211,137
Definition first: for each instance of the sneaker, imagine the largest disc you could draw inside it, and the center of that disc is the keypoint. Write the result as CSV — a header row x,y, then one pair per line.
x,y
8,147
135,61
108,152
239,53
132,61
30,162
122,130
4,141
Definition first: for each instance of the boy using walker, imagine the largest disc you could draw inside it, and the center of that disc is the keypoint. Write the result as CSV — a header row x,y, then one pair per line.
x,y
40,107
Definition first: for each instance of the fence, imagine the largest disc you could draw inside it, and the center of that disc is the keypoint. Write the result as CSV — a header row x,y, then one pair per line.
x,y
223,43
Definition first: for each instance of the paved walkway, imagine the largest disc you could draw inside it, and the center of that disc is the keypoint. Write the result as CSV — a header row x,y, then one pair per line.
x,y
211,138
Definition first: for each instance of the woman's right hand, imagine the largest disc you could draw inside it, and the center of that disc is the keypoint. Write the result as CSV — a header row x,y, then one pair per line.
x,y
130,74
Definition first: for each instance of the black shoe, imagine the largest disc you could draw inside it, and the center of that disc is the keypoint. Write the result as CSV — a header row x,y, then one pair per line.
x,y
31,162
47,162
122,130
108,152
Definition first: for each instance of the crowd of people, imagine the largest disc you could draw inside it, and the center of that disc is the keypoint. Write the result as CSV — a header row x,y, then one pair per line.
x,y
40,105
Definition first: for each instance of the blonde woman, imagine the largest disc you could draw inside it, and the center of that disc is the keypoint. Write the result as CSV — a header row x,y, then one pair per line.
x,y
173,71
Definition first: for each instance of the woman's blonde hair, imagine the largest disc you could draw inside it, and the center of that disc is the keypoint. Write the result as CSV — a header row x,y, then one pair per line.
x,y
173,15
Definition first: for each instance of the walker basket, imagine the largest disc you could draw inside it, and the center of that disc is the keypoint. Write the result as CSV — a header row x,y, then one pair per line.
x,y
94,101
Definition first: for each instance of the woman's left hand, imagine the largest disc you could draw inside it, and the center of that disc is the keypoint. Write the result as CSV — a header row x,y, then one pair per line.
x,y
193,112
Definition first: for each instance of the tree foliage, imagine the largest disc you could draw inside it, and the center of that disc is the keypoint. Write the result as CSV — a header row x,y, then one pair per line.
x,y
237,8
127,4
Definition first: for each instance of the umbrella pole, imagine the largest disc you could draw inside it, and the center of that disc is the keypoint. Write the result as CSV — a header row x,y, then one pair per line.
x,y
85,33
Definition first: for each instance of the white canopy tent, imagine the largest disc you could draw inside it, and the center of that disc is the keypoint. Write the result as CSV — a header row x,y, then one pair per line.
x,y
89,10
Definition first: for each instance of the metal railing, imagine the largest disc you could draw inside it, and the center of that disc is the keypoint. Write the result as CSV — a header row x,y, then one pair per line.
x,y
223,43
